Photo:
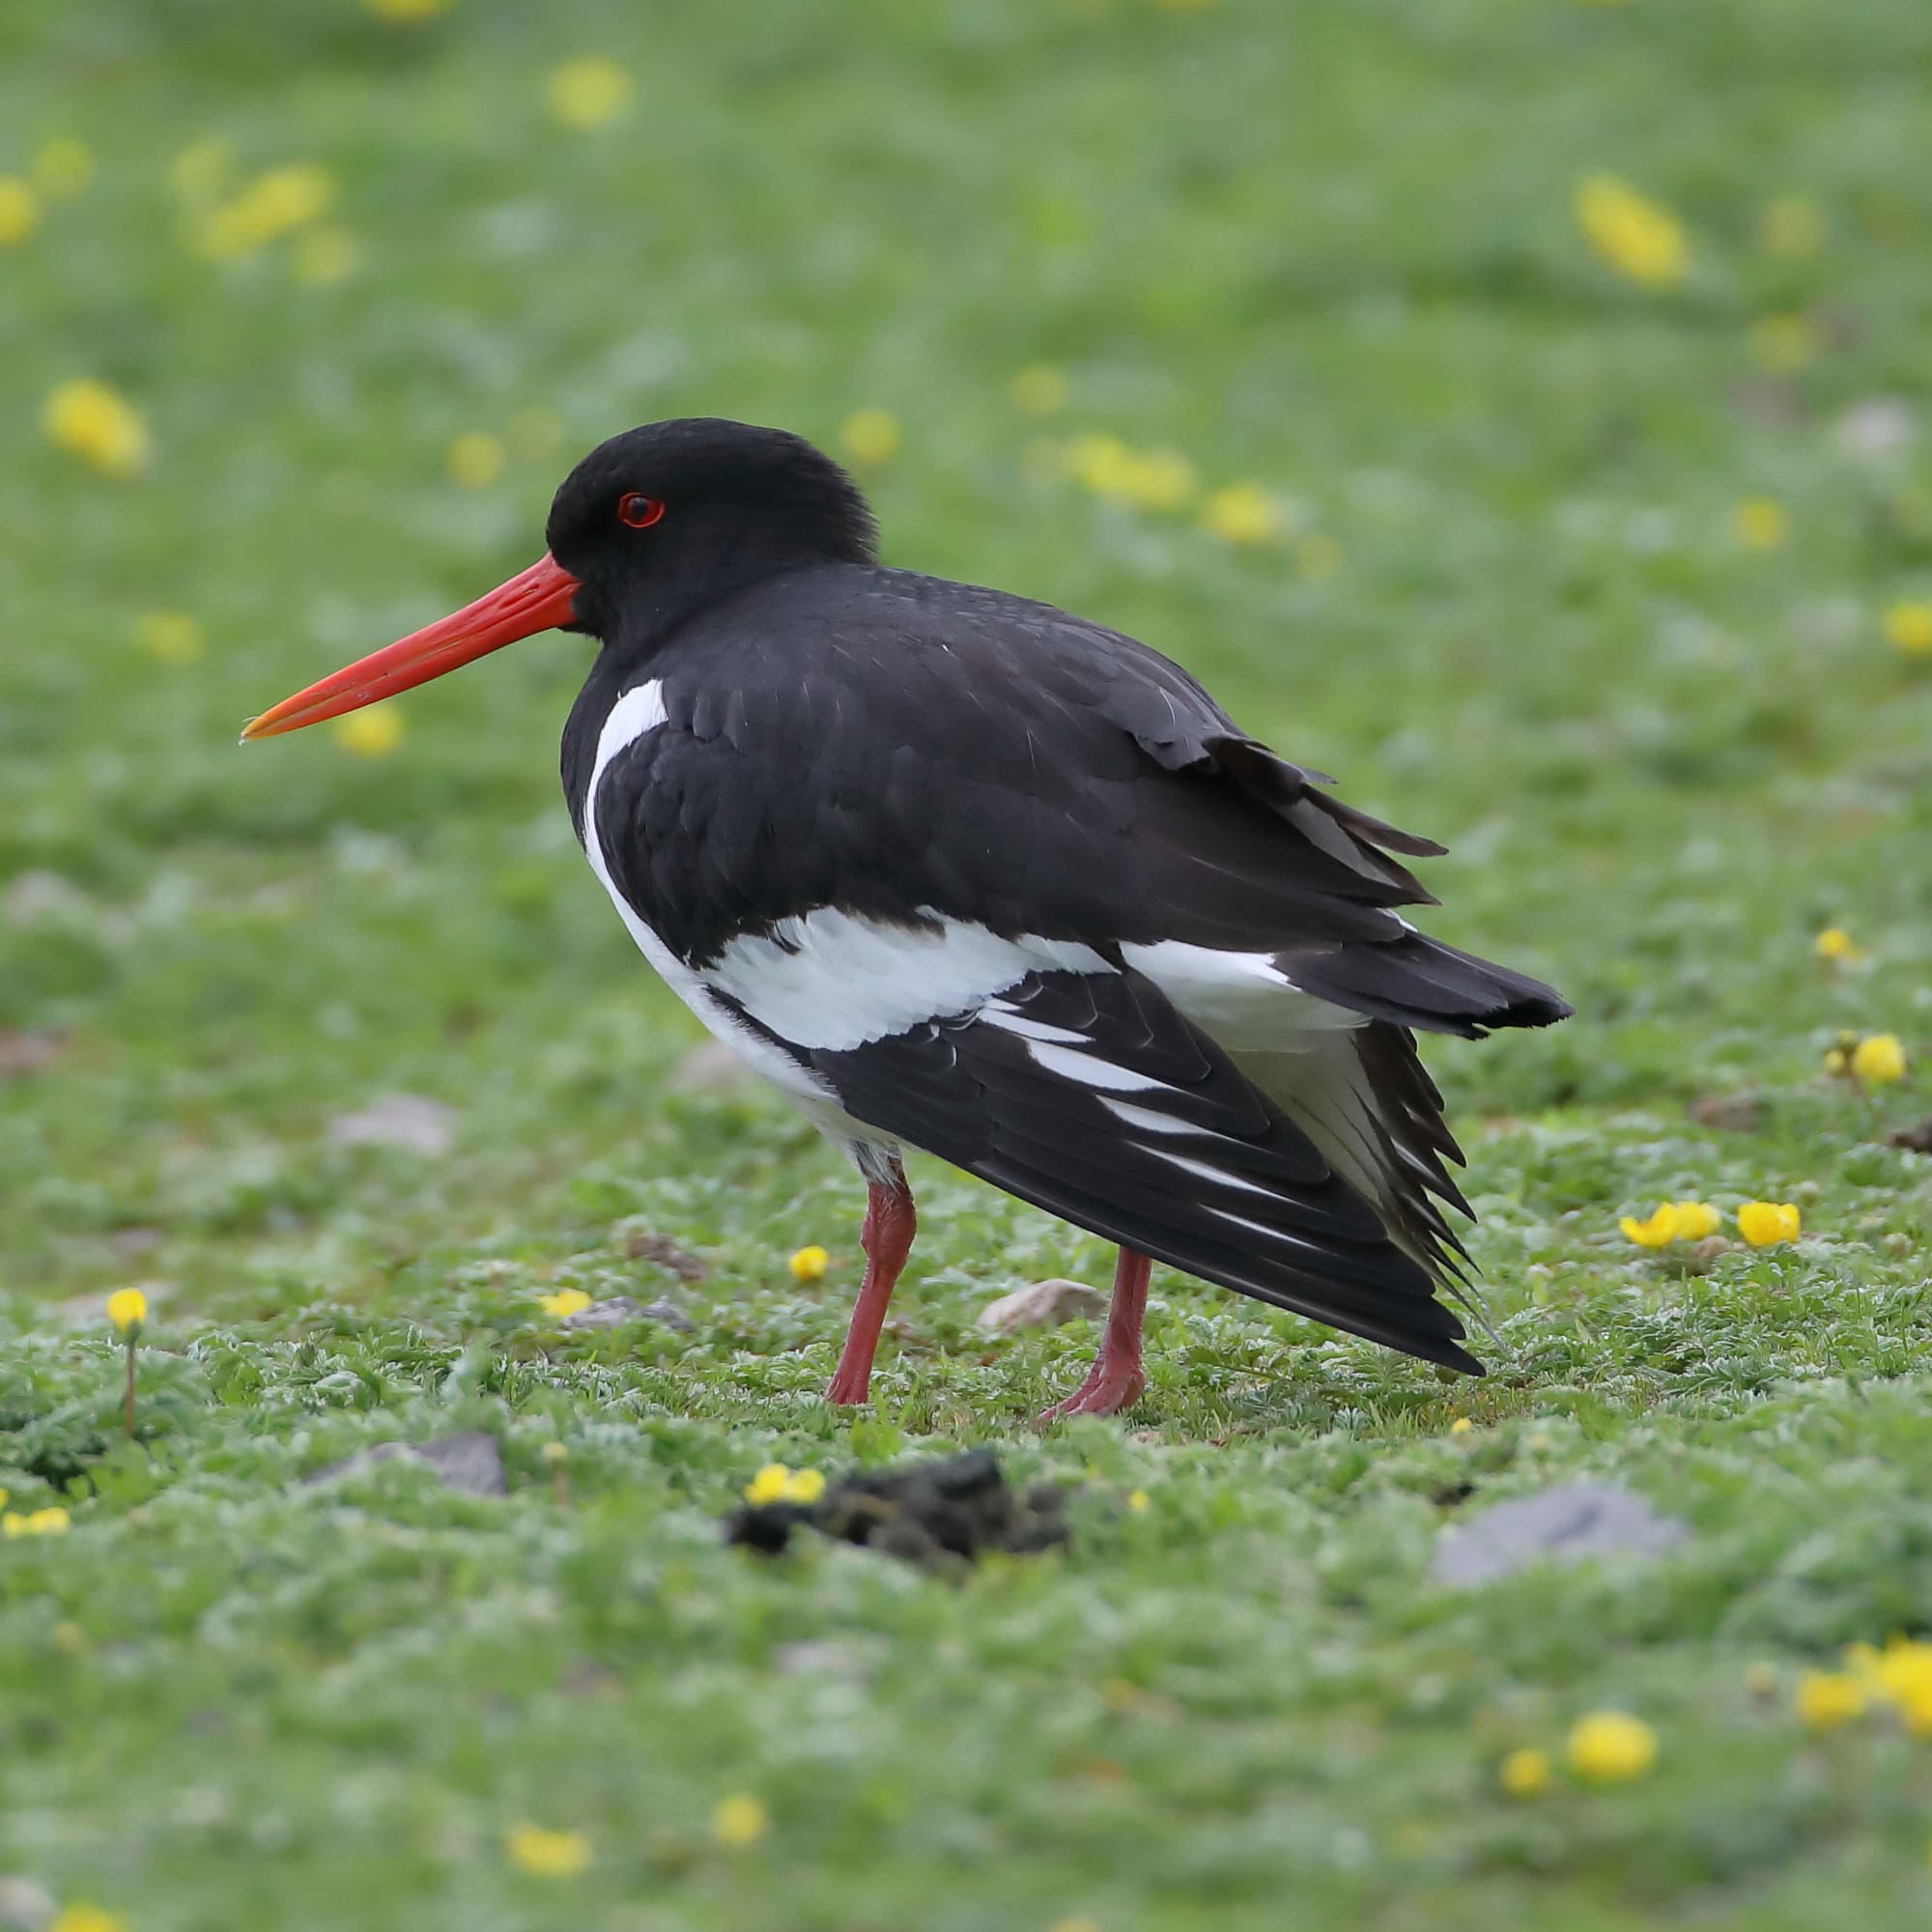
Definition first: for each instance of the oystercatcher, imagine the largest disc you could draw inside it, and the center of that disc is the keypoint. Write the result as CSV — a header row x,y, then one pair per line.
x,y
959,871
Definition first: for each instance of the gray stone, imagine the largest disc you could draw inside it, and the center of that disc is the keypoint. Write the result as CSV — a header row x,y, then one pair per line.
x,y
471,1462
398,1121
1041,1304
1571,1525
24,1906
622,1308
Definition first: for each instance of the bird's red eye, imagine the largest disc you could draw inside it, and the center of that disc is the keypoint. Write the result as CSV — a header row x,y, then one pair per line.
x,y
639,512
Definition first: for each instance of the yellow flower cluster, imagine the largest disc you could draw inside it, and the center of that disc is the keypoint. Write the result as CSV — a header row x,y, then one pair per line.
x,y
587,92
172,636
776,1482
809,1263
739,1822
99,425
1836,944
870,436
84,1918
1761,522
20,211
1875,1060
566,1301
127,1309
275,203
474,460
1908,627
52,1522
1900,1676
1766,1224
373,732
1603,1747
1639,237
1673,1221
541,1852
1242,513
1142,479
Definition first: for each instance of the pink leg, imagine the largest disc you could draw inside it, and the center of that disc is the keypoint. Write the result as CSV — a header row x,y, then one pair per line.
x,y
887,1238
1115,1382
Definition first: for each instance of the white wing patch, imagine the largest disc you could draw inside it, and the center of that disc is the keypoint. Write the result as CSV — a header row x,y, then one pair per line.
x,y
1242,1000
833,980
639,710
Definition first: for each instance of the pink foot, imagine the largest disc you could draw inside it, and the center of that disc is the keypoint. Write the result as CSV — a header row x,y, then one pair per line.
x,y
850,1391
1106,1391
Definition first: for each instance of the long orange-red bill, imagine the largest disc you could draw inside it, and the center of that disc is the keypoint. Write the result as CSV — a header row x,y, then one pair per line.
x,y
537,599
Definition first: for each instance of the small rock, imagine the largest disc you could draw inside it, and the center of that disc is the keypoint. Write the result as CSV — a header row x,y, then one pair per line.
x,y
709,1068
622,1308
1733,1113
641,1244
470,1462
24,1906
1876,429
1570,1524
25,1052
1041,1304
1914,1140
398,1121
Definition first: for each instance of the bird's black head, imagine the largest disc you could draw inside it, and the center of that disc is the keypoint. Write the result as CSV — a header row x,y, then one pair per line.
x,y
650,526
664,519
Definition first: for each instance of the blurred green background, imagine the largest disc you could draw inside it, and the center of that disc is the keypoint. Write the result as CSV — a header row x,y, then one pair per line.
x,y
1515,406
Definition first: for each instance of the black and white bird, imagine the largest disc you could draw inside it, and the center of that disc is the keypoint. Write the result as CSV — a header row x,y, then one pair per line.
x,y
959,871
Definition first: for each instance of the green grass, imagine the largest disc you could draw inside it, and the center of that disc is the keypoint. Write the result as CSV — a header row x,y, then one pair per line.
x,y
1326,248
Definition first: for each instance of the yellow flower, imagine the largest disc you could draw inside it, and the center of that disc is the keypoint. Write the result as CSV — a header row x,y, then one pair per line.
x,y
738,1822
1039,390
1461,1426
1878,1060
127,1308
870,436
80,1917
97,424
475,460
1639,237
323,256
1764,1224
1908,627
1760,523
1901,1676
546,1854
775,1482
1695,1219
202,169
1317,557
587,92
63,167
53,1521
408,9
1784,344
1154,479
20,211
565,1301
1791,228
373,732
171,636
273,205
1835,942
1828,1698
1524,1773
809,1263
1241,513
67,1638
1137,1501
769,1485
1660,1228
1610,1748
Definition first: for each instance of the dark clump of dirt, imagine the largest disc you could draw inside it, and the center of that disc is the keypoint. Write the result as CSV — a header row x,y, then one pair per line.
x,y
1914,1140
926,1513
